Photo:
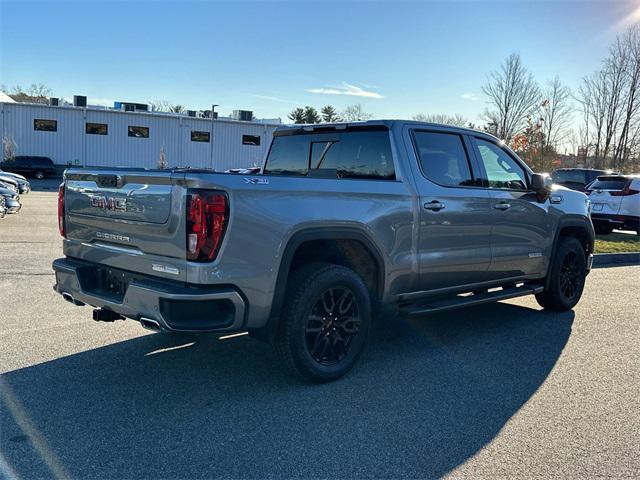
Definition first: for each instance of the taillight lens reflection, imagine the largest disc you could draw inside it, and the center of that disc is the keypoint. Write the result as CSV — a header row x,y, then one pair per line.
x,y
207,215
61,209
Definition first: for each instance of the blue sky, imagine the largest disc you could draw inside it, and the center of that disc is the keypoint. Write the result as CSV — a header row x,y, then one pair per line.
x,y
395,58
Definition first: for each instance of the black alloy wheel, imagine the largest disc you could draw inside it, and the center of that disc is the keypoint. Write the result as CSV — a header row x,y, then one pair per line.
x,y
570,275
324,322
332,325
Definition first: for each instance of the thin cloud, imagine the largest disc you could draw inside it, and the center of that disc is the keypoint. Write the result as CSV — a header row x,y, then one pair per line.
x,y
270,98
470,96
346,89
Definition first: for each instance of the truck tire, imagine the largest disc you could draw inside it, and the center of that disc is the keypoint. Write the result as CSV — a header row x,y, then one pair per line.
x,y
567,277
324,322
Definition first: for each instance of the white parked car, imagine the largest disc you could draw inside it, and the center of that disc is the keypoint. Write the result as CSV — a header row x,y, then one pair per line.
x,y
615,203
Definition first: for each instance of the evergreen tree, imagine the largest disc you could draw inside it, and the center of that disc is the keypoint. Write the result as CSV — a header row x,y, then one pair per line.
x,y
329,114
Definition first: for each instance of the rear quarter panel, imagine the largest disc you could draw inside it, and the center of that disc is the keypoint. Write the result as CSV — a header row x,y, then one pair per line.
x,y
264,217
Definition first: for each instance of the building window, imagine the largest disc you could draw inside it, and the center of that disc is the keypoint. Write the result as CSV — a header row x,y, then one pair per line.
x,y
138,132
96,128
251,140
45,125
199,136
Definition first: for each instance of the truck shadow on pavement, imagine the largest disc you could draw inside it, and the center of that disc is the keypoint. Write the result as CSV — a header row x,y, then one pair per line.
x,y
425,397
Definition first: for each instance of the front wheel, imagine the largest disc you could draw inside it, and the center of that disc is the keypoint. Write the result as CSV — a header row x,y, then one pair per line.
x,y
324,322
567,277
39,175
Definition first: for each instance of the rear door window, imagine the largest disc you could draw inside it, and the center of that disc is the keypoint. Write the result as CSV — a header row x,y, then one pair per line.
x,y
443,158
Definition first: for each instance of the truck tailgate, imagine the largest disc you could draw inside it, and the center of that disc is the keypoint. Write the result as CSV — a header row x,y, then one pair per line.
x,y
127,219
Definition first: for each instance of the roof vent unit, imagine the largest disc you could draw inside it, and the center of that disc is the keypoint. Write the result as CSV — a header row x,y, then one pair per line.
x,y
205,113
54,101
79,101
242,115
191,113
131,106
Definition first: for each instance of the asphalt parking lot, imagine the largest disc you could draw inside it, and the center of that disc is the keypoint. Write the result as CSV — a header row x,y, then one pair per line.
x,y
504,390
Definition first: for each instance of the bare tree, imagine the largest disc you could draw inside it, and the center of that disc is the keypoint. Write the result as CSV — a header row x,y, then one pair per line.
x,y
455,120
592,96
9,148
629,48
610,104
162,159
513,95
355,113
160,106
34,93
555,116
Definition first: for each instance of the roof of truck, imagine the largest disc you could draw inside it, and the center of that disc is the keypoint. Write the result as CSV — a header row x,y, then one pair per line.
x,y
388,123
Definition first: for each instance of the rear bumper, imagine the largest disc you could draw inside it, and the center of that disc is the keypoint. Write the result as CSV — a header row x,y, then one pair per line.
x,y
175,306
618,221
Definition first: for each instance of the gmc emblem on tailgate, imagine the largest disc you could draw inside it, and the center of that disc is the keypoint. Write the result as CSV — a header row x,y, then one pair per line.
x,y
109,203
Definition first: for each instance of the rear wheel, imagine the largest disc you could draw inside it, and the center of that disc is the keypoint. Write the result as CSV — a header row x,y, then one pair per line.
x,y
324,322
567,276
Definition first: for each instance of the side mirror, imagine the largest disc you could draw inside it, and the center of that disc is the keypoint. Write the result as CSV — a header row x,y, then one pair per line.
x,y
541,183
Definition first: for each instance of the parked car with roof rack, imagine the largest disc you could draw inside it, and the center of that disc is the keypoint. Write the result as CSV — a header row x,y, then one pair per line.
x,y
615,203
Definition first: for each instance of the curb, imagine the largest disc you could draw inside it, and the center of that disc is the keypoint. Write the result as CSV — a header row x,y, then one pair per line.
x,y
615,259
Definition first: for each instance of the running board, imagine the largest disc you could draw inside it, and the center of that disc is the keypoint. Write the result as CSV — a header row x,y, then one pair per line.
x,y
441,304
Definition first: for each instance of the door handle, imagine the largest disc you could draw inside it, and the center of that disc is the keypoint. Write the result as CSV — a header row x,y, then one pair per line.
x,y
435,205
502,206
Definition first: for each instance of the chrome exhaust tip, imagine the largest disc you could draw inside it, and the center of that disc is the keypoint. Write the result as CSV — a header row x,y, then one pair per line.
x,y
69,298
150,324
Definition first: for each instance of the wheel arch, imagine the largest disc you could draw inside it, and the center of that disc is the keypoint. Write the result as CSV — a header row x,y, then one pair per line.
x,y
342,246
575,226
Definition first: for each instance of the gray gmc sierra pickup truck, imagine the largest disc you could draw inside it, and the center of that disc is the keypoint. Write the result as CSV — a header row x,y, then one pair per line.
x,y
342,222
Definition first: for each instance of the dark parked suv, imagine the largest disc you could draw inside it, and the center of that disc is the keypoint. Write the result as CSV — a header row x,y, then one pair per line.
x,y
576,178
38,167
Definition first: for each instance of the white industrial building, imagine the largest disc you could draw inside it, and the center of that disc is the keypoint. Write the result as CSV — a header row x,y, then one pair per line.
x,y
98,137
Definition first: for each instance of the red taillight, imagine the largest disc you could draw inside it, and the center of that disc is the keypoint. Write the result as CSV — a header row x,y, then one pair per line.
x,y
625,191
61,209
207,214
